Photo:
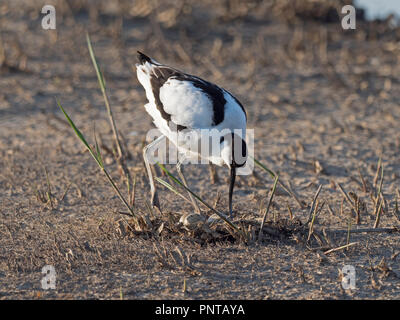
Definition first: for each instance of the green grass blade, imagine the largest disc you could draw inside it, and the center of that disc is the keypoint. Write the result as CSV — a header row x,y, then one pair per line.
x,y
107,103
172,188
98,154
271,173
79,134
98,159
95,64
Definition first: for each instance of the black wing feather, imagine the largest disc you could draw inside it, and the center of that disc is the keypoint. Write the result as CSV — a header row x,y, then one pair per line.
x,y
161,75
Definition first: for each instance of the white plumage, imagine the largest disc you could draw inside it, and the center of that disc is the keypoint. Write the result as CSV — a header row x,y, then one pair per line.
x,y
186,104
179,102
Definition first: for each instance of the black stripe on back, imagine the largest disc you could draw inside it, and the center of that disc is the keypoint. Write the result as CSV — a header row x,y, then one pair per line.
x,y
215,93
157,80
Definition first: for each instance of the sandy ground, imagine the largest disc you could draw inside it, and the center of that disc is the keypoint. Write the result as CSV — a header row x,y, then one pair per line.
x,y
324,106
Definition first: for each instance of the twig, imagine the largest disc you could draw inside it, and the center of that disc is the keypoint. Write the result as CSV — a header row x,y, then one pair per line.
x,y
313,204
290,212
379,197
268,206
362,230
362,180
48,192
378,215
377,171
340,248
310,230
378,200
314,216
65,192
348,230
396,206
346,196
330,210
133,192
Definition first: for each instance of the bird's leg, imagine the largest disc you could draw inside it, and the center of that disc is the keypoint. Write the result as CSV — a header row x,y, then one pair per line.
x,y
150,147
213,173
179,168
231,185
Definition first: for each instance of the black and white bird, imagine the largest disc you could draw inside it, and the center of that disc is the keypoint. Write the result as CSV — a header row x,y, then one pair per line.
x,y
179,102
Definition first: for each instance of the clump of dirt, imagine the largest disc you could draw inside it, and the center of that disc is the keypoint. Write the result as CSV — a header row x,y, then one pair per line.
x,y
197,228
